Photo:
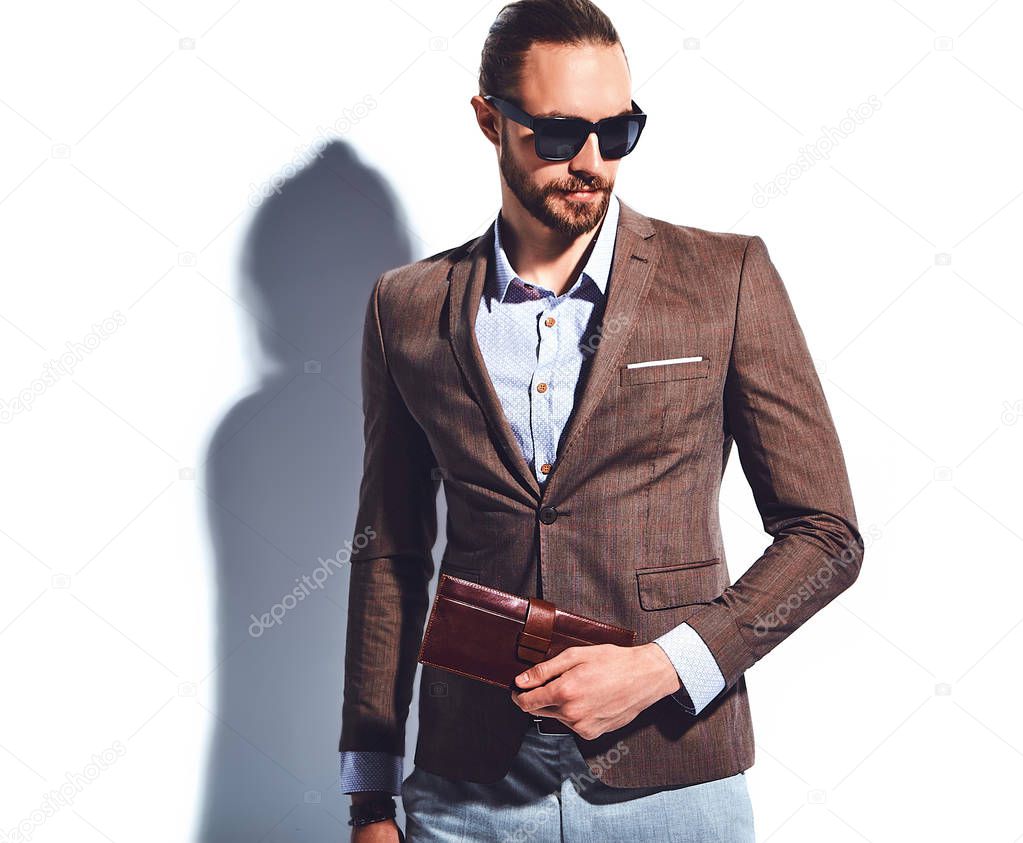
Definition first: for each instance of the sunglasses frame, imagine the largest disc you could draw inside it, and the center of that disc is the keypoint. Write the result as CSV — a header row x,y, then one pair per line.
x,y
537,124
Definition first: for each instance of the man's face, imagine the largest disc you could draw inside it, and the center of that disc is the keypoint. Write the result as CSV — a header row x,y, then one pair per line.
x,y
587,81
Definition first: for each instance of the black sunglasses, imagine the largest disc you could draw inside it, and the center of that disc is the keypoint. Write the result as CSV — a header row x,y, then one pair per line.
x,y
561,138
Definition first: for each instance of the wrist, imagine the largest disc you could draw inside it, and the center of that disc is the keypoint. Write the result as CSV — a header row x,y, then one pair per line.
x,y
667,676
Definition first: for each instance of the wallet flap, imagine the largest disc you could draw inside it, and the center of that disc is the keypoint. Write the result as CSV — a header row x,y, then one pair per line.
x,y
489,635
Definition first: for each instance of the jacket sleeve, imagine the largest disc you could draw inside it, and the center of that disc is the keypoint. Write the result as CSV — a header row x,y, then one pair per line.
x,y
776,412
392,562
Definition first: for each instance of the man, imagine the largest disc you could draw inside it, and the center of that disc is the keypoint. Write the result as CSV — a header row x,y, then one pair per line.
x,y
576,377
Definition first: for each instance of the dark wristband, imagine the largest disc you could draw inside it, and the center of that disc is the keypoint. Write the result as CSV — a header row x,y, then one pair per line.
x,y
372,811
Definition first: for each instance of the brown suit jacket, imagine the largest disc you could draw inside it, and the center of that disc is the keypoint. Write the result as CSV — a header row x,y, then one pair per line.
x,y
626,527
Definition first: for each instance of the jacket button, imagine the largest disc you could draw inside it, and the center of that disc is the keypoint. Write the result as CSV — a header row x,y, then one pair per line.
x,y
548,515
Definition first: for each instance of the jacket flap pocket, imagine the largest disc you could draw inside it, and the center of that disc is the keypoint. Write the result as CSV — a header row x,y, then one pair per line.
x,y
464,564
666,586
472,574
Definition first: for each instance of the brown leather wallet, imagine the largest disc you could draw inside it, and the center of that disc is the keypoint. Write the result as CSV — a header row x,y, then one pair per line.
x,y
487,634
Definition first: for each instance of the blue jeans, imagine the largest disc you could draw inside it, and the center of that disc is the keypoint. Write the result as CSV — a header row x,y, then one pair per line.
x,y
549,795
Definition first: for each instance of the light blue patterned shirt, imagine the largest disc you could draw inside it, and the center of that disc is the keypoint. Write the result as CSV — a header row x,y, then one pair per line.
x,y
528,336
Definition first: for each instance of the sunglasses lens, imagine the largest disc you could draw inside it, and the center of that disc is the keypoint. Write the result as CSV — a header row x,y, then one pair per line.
x,y
619,136
559,140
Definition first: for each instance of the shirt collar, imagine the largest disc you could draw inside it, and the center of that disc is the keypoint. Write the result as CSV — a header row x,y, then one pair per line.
x,y
598,266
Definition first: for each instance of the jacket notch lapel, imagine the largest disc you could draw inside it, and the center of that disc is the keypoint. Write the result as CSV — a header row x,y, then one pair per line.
x,y
466,281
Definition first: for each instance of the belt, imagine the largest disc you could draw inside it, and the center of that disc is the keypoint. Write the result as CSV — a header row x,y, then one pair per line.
x,y
551,726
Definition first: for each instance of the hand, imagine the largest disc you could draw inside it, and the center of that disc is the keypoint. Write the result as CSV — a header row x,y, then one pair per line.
x,y
597,688
385,831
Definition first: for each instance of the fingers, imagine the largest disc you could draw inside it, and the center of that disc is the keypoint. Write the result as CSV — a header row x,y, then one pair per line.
x,y
546,670
535,706
547,685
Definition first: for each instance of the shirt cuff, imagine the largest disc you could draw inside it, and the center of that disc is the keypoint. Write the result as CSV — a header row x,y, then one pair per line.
x,y
696,667
371,770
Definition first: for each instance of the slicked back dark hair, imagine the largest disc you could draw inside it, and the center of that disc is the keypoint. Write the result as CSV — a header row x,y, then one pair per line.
x,y
518,26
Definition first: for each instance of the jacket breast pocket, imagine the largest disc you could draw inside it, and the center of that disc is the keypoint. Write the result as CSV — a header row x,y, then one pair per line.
x,y
667,586
664,372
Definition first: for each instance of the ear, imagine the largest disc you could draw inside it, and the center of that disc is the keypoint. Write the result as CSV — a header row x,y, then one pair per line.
x,y
487,118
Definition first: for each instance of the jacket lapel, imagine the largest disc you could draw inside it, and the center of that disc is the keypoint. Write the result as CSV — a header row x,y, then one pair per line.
x,y
635,254
466,282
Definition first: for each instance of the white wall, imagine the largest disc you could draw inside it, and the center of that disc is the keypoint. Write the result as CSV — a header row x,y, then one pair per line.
x,y
186,465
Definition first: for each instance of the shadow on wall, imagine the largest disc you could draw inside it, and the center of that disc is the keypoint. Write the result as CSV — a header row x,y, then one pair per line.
x,y
282,475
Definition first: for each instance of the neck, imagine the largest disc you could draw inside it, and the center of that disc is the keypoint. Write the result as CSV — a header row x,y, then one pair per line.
x,y
539,254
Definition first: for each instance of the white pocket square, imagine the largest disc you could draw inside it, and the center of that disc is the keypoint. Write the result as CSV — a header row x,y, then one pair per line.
x,y
663,362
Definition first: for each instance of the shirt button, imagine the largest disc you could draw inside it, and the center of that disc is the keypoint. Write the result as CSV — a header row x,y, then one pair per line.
x,y
546,468
548,515
549,321
541,387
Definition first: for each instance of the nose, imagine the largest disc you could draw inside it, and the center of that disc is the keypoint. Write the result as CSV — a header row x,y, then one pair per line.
x,y
588,158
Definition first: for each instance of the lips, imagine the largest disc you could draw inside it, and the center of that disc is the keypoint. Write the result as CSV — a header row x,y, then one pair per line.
x,y
582,195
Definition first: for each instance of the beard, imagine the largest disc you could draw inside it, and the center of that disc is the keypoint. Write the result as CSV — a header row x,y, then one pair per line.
x,y
549,203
